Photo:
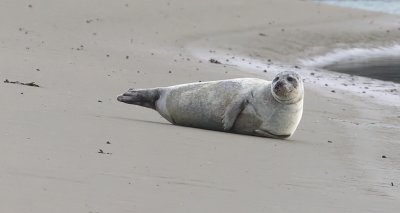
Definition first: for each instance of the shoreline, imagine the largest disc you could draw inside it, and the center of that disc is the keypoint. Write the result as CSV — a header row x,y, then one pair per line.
x,y
361,62
363,39
389,7
374,89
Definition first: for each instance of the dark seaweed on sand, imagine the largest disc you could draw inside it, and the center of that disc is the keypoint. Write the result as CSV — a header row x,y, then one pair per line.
x,y
215,61
31,84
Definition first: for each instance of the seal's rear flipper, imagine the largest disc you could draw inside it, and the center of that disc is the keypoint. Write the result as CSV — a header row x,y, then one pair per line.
x,y
141,97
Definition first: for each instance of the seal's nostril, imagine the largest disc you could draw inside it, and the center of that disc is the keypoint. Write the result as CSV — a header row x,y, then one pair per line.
x,y
279,84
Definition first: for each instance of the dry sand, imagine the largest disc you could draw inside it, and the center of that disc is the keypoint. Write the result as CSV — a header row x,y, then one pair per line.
x,y
84,53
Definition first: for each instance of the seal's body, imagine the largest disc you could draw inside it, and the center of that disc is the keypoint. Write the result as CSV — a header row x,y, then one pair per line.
x,y
245,105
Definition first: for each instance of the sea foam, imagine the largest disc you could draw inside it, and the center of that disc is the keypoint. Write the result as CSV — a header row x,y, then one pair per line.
x,y
352,55
385,6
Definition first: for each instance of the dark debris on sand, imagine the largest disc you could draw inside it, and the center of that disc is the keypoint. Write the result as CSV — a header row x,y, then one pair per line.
x,y
102,152
215,61
31,84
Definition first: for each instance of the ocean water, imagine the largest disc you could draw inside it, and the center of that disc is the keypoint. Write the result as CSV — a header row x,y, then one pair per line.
x,y
380,63
385,6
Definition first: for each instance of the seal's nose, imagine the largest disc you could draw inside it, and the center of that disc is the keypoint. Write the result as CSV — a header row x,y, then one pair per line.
x,y
278,85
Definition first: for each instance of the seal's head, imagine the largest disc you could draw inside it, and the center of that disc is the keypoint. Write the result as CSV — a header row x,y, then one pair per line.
x,y
287,87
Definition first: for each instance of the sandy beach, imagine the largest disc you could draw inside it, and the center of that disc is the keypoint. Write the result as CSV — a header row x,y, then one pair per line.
x,y
344,156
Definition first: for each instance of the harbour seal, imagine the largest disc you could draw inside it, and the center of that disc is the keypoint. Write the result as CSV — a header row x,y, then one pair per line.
x,y
248,106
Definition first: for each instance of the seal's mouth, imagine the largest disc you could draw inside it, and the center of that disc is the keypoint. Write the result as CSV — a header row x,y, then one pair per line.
x,y
282,89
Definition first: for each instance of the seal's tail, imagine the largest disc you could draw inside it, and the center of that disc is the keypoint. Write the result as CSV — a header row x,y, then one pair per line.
x,y
141,97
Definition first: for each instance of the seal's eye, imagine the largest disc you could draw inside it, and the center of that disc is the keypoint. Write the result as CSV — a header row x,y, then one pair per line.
x,y
290,79
275,79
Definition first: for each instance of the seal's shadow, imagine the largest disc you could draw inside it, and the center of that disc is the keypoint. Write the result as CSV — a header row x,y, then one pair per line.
x,y
136,120
290,140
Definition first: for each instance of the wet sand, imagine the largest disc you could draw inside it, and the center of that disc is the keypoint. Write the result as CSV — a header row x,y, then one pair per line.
x,y
343,157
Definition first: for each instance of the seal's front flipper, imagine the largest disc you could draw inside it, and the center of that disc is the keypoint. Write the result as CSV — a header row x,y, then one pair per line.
x,y
141,97
231,113
266,134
